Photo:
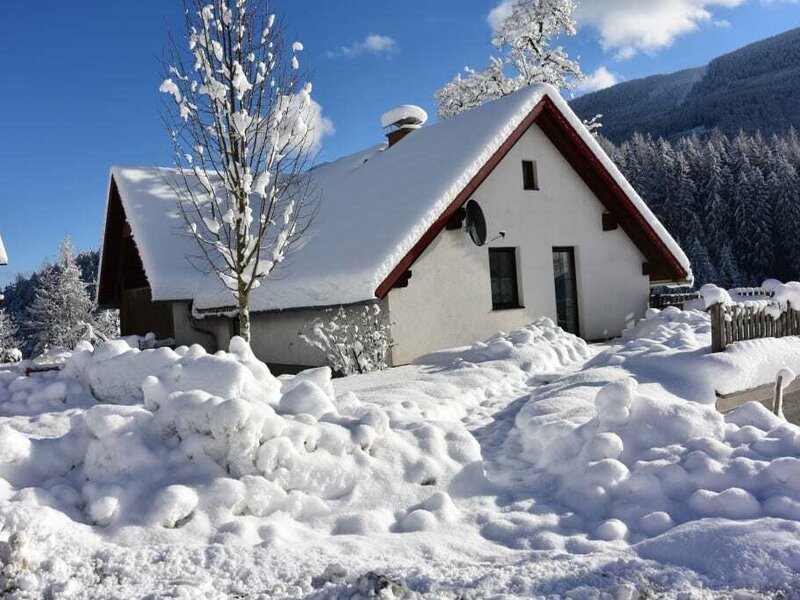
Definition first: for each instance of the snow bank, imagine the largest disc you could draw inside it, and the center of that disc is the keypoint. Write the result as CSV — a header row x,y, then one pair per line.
x,y
540,346
186,439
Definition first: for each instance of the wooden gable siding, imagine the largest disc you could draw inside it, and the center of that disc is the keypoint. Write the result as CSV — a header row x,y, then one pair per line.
x,y
139,315
123,282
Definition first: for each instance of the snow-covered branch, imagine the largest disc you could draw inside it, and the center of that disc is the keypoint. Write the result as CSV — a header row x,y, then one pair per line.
x,y
526,39
241,119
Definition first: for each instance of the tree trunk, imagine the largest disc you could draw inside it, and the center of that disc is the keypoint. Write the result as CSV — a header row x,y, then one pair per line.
x,y
244,315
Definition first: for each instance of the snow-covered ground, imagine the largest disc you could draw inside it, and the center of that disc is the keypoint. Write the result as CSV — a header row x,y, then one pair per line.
x,y
529,465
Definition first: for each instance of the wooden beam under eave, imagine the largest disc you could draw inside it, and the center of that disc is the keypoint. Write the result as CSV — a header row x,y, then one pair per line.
x,y
457,220
402,281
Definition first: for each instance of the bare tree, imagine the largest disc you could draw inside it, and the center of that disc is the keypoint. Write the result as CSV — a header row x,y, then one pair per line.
x,y
242,123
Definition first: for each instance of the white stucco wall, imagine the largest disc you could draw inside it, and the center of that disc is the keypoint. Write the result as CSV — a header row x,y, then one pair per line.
x,y
448,301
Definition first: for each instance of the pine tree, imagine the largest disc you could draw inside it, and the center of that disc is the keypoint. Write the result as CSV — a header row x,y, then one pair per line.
x,y
62,305
729,274
702,267
784,184
8,338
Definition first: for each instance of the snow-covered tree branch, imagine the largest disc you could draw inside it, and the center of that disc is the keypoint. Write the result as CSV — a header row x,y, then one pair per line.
x,y
241,119
525,38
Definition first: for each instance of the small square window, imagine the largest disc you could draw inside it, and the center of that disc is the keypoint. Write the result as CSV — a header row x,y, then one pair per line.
x,y
530,175
503,271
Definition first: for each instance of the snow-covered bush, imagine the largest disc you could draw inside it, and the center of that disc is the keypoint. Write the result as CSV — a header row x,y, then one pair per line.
x,y
353,339
62,306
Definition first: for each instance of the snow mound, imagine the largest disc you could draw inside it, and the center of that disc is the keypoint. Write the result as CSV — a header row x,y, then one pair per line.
x,y
646,463
540,346
187,439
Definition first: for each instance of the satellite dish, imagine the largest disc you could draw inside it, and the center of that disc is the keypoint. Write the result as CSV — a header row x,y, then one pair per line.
x,y
476,223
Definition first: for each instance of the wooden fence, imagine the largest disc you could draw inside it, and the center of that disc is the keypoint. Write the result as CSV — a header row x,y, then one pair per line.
x,y
739,322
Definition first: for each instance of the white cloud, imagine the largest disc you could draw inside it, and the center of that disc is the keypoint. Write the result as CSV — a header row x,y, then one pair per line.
x,y
630,26
627,27
599,80
319,126
374,43
499,13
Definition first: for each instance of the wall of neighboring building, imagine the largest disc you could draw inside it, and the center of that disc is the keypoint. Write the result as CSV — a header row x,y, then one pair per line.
x,y
449,301
212,333
276,341
275,338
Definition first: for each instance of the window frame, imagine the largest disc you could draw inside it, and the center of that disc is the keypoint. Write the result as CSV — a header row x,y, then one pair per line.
x,y
516,301
530,176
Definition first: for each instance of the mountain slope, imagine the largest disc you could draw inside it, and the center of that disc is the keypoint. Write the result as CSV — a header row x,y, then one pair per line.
x,y
753,88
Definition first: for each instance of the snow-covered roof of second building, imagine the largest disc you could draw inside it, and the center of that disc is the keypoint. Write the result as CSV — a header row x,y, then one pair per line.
x,y
375,205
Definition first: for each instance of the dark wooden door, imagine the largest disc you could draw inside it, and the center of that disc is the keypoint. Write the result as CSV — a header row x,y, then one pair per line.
x,y
566,282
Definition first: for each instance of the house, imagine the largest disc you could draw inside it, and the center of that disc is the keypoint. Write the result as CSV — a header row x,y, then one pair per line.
x,y
3,254
476,224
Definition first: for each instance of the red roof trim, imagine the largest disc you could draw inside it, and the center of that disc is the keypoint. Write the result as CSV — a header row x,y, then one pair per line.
x,y
597,177
557,127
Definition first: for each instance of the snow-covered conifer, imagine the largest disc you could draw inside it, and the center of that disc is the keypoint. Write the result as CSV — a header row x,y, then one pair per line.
x,y
8,339
526,40
784,184
243,124
61,307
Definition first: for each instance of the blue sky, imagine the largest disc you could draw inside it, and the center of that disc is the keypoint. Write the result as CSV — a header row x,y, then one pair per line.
x,y
80,82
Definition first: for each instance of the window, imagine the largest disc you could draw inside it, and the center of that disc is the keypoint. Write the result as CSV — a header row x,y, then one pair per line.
x,y
530,175
503,271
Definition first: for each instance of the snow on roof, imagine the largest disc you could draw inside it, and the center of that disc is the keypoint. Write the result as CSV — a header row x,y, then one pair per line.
x,y
407,113
159,231
3,255
374,206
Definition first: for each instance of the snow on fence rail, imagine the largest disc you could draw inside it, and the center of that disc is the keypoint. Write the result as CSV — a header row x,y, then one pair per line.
x,y
744,294
739,322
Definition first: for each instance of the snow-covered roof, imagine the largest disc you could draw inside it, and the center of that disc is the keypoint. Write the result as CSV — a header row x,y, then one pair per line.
x,y
3,255
159,230
375,206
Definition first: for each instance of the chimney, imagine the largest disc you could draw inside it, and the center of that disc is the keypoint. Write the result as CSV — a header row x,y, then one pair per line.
x,y
401,121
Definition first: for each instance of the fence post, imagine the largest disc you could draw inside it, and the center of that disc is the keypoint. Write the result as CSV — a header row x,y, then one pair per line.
x,y
717,328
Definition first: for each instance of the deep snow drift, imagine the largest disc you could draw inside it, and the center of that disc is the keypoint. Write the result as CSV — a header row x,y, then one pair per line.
x,y
527,465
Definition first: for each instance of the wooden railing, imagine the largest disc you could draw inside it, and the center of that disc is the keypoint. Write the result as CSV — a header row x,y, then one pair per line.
x,y
662,301
739,322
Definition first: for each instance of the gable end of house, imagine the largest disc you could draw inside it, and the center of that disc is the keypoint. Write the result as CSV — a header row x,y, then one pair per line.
x,y
664,265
